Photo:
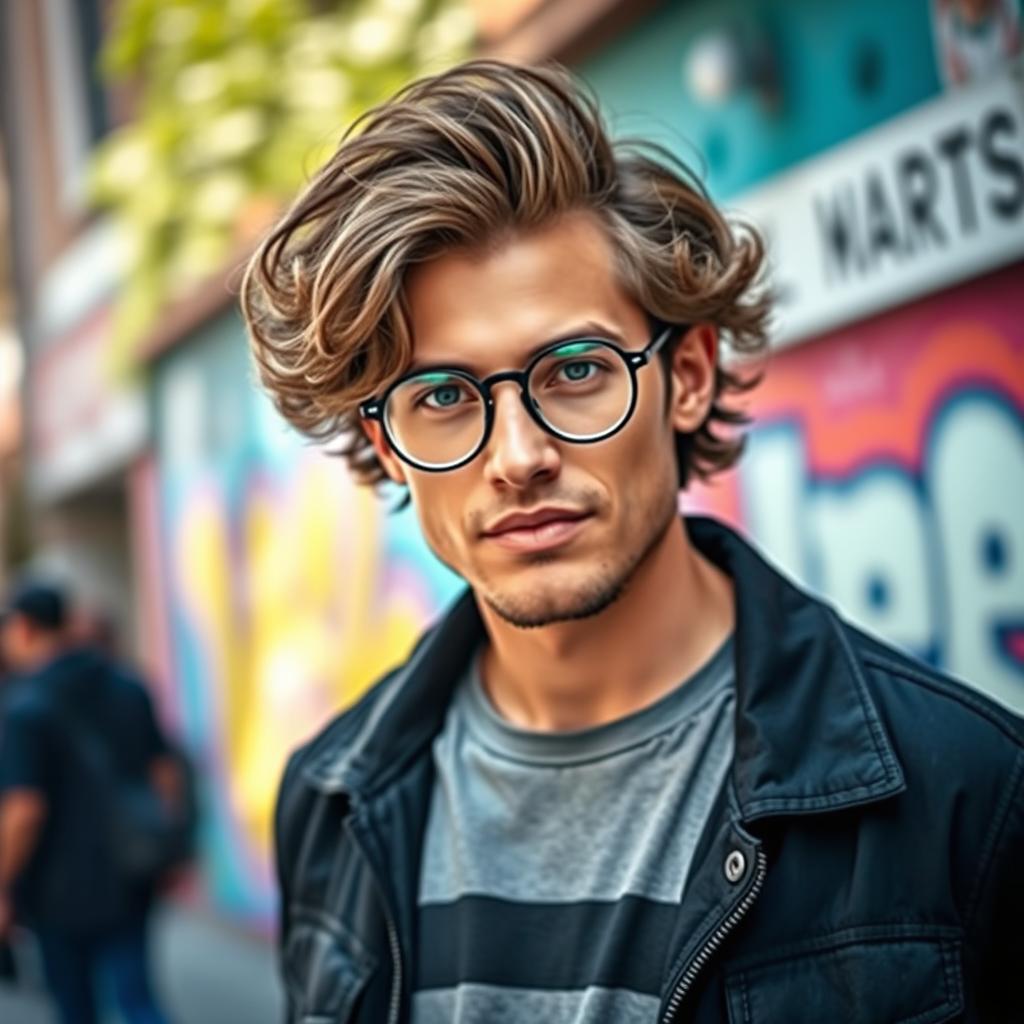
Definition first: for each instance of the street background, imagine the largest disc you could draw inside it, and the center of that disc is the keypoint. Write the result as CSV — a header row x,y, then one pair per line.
x,y
206,971
146,146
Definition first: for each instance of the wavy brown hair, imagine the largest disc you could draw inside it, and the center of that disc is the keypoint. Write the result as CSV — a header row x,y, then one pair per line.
x,y
455,160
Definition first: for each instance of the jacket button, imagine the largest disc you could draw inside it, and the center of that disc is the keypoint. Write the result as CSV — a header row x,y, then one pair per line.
x,y
735,865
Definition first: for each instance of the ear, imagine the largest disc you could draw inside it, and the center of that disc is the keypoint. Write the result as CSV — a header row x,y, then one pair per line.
x,y
393,465
693,367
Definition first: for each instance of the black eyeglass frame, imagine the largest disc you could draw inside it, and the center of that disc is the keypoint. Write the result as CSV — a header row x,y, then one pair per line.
x,y
373,408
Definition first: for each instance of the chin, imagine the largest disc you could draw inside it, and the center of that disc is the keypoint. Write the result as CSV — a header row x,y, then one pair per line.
x,y
544,603
571,583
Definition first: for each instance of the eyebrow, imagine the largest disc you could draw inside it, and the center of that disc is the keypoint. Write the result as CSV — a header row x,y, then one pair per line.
x,y
586,329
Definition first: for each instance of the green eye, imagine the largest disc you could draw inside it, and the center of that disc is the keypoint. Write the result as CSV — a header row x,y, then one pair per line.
x,y
440,392
443,397
572,363
578,370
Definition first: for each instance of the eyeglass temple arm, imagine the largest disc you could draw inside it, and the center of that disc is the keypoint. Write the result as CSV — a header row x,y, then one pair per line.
x,y
646,355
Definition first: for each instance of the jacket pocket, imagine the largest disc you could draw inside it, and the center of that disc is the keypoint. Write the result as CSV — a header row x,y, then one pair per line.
x,y
325,971
857,978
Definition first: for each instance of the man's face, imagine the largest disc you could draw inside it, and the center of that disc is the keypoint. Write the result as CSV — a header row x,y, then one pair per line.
x,y
488,309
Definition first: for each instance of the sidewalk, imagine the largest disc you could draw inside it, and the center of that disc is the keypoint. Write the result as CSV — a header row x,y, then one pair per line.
x,y
206,973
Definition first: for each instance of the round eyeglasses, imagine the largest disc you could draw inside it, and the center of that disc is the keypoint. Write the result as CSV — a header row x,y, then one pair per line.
x,y
580,390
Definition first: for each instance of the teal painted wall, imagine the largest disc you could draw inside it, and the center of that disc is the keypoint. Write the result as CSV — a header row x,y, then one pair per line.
x,y
821,48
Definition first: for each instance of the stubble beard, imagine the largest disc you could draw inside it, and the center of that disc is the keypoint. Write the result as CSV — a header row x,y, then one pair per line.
x,y
607,584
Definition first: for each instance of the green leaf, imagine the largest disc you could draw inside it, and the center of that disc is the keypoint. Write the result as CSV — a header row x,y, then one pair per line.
x,y
239,101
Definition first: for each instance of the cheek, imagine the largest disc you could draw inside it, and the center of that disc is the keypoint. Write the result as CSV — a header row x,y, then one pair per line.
x,y
438,502
643,452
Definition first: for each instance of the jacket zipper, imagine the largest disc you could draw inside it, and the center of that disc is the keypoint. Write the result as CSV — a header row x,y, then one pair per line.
x,y
698,963
395,1004
395,1007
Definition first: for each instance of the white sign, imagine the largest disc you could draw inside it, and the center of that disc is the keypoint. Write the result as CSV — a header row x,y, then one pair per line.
x,y
81,423
83,277
931,198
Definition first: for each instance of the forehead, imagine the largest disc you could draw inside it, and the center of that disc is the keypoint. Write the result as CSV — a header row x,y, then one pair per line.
x,y
487,306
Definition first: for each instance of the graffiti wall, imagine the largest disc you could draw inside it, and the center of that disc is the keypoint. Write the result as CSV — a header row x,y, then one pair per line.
x,y
886,471
288,589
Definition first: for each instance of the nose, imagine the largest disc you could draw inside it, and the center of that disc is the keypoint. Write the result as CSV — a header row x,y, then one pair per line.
x,y
519,453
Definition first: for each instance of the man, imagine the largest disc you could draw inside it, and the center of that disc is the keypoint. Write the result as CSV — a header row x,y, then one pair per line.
x,y
634,775
75,729
8,963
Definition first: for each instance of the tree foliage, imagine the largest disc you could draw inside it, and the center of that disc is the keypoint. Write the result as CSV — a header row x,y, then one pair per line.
x,y
237,102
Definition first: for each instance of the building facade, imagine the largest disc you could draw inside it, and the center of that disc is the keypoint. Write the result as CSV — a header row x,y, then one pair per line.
x,y
879,146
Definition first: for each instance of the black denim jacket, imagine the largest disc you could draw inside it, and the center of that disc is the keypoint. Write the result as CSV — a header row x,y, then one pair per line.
x,y
864,865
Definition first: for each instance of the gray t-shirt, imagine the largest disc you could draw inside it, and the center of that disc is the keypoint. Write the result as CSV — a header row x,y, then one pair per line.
x,y
554,863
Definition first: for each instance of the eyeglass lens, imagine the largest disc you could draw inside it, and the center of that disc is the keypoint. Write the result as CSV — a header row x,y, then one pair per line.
x,y
581,390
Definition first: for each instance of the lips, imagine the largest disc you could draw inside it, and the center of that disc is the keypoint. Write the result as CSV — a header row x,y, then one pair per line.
x,y
533,520
541,530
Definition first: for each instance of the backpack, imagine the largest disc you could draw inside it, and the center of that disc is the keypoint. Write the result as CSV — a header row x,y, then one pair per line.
x,y
147,838
141,837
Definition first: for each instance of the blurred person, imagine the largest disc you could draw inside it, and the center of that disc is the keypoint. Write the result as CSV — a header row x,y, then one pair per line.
x,y
8,963
171,774
635,774
976,39
77,735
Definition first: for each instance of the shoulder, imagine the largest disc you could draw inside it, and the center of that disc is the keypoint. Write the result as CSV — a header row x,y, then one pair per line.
x,y
339,733
127,687
296,794
962,756
303,830
958,749
963,762
118,676
915,694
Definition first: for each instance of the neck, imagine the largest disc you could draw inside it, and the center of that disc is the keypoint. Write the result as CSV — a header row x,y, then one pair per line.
x,y
674,614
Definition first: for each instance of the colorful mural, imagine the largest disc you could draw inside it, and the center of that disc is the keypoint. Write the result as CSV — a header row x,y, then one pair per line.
x,y
886,470
288,614
290,589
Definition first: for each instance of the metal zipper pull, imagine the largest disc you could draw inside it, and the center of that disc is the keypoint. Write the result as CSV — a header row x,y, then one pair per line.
x,y
718,936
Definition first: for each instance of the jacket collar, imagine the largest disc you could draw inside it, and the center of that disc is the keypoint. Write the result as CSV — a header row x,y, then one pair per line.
x,y
808,735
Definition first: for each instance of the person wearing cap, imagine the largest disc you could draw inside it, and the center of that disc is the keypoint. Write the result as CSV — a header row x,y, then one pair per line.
x,y
68,710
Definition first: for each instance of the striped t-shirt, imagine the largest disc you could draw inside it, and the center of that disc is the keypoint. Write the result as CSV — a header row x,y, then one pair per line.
x,y
554,863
